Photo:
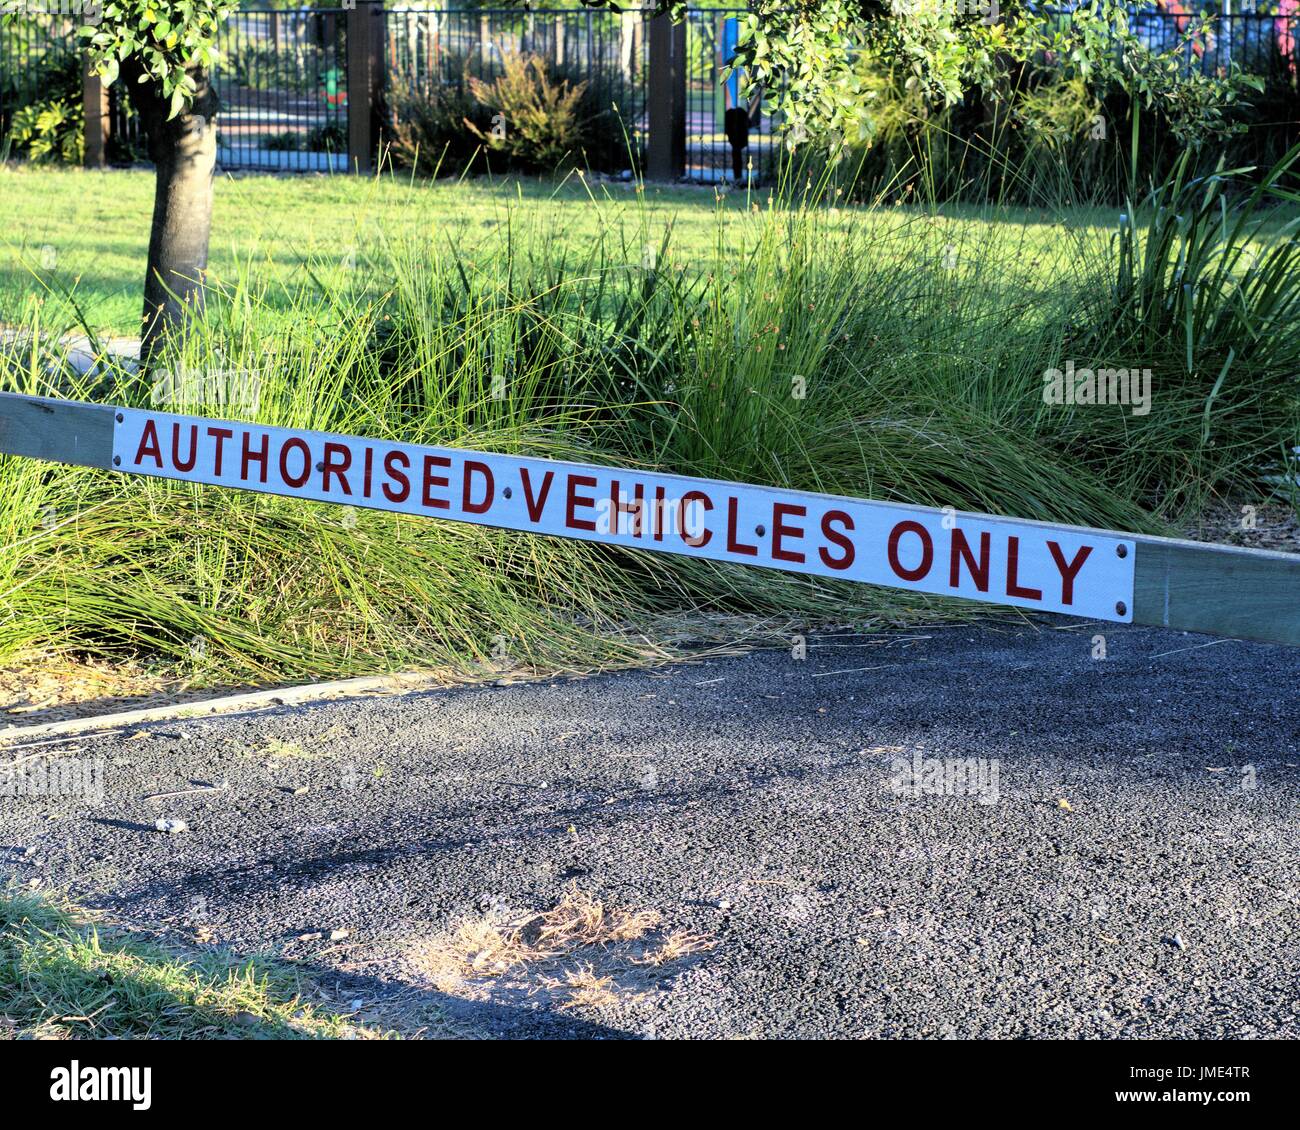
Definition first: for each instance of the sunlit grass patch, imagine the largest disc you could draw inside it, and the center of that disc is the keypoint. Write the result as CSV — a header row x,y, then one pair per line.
x,y
64,977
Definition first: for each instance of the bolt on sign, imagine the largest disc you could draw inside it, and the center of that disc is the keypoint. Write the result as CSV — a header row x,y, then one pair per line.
x,y
1001,561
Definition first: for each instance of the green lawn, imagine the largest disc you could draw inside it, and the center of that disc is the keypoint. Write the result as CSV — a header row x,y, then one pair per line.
x,y
98,226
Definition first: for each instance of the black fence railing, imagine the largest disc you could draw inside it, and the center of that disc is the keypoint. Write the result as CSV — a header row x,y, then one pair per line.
x,y
711,36
39,63
1259,43
427,46
283,87
283,80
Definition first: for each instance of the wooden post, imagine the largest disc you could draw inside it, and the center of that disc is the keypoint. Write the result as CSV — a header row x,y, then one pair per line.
x,y
365,78
99,123
666,98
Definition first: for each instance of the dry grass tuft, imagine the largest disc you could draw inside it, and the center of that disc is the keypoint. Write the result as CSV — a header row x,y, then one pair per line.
x,y
580,919
579,953
678,945
582,987
277,749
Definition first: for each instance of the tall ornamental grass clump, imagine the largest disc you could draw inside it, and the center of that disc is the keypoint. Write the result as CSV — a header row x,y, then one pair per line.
x,y
1202,286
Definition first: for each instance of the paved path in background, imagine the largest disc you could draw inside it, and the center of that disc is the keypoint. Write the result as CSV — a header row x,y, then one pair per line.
x,y
750,800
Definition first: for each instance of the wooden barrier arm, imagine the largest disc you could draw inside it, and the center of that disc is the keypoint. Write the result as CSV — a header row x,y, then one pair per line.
x,y
1190,586
58,431
1221,590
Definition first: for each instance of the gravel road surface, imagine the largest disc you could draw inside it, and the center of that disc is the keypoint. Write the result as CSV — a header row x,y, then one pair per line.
x,y
956,832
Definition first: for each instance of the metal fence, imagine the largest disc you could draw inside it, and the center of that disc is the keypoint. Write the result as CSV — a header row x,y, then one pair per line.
x,y
283,81
283,87
38,62
1259,43
711,37
607,51
602,47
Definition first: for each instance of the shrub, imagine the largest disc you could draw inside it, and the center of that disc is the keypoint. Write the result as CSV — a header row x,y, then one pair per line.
x,y
51,131
285,142
1062,123
550,120
331,137
607,105
49,122
537,120
428,129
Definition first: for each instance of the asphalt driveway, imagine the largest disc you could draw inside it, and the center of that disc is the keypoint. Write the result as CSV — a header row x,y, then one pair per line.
x,y
956,832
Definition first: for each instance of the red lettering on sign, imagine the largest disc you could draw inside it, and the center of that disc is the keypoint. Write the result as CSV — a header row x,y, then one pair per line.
x,y
617,508
397,474
431,480
781,511
177,462
927,550
689,499
658,524
838,538
575,500
961,551
220,435
260,457
1013,570
734,544
295,444
1070,571
535,505
473,466
329,466
149,444
368,472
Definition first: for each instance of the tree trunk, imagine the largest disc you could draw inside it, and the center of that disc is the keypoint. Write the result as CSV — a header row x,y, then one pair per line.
x,y
184,153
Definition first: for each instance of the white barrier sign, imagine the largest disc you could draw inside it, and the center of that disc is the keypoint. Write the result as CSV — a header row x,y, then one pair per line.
x,y
1001,561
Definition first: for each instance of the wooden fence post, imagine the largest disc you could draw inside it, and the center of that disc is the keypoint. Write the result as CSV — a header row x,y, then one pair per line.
x,y
666,100
365,70
99,124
